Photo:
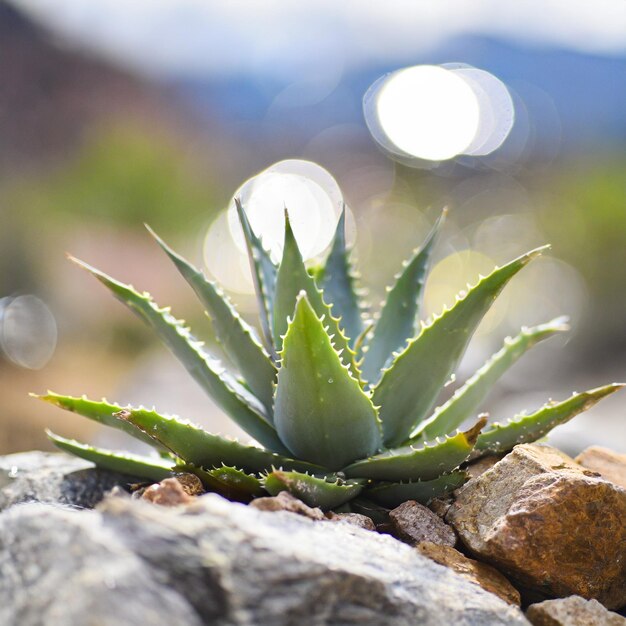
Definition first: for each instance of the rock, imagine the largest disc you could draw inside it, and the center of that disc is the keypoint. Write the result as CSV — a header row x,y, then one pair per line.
x,y
440,506
547,524
284,501
609,464
355,519
489,578
480,466
216,562
572,611
169,492
414,523
54,477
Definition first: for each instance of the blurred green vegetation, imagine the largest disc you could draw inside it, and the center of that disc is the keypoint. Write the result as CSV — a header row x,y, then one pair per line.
x,y
122,175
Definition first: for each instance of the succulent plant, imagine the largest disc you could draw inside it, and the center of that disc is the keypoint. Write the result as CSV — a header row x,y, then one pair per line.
x,y
343,406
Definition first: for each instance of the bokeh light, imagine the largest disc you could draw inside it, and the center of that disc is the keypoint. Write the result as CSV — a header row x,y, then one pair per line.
x,y
28,331
310,194
436,113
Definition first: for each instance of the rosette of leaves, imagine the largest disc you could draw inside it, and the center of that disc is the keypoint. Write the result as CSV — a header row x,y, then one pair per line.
x,y
344,407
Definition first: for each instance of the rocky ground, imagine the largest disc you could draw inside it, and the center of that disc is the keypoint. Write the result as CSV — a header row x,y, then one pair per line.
x,y
535,537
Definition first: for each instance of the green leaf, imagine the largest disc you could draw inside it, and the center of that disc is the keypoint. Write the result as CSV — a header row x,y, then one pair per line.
x,y
130,464
424,463
529,428
316,492
202,449
230,395
102,412
467,398
338,285
291,280
320,411
399,315
409,388
263,275
392,495
229,482
238,338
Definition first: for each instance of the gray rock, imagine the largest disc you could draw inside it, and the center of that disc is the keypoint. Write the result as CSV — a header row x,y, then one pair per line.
x,y
572,611
55,478
214,562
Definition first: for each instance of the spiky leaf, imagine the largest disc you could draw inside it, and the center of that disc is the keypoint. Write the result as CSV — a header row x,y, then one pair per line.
x,y
203,449
394,494
468,397
238,338
316,492
291,280
263,275
231,396
229,482
529,428
409,388
423,463
320,410
338,285
102,412
130,464
399,314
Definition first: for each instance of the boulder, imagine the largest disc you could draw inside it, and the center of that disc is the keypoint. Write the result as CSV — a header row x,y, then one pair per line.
x,y
479,573
609,464
54,477
217,562
414,523
547,523
572,611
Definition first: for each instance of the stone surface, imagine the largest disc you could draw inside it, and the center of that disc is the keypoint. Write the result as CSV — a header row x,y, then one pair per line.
x,y
572,611
214,562
355,519
480,466
53,477
489,578
414,523
169,492
548,524
284,501
609,464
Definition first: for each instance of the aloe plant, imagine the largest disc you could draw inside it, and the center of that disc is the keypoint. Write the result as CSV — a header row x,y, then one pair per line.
x,y
344,407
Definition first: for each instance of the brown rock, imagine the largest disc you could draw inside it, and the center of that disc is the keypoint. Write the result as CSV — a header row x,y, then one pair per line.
x,y
542,520
440,506
489,578
284,501
191,484
414,523
355,519
169,492
611,465
480,466
572,611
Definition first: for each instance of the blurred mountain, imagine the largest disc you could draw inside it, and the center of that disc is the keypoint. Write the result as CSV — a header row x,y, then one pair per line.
x,y
581,96
51,96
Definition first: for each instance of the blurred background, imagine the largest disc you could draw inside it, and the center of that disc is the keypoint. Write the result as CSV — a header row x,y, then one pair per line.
x,y
117,113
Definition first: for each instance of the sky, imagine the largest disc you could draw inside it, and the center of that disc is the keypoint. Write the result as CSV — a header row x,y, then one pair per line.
x,y
208,38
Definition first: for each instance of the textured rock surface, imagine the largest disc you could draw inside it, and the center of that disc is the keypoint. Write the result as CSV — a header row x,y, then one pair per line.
x,y
213,562
356,519
284,501
53,477
611,465
482,574
572,611
414,523
548,523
